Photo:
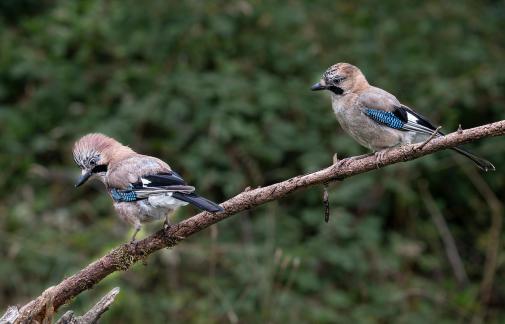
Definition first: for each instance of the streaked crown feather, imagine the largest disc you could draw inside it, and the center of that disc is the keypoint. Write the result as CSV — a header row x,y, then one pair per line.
x,y
93,146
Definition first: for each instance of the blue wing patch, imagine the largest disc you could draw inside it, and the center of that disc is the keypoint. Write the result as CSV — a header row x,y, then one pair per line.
x,y
123,195
385,117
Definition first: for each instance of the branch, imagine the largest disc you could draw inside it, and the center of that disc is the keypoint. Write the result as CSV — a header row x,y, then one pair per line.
x,y
93,315
124,256
10,315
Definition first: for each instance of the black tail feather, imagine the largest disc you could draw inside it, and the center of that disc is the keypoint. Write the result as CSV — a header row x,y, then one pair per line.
x,y
484,165
197,201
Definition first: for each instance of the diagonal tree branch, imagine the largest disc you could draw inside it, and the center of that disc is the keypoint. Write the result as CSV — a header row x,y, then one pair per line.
x,y
124,256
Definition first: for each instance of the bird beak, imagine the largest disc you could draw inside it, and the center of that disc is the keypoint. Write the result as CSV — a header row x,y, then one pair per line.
x,y
318,86
84,177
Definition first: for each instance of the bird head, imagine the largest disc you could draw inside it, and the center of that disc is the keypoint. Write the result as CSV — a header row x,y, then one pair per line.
x,y
93,153
340,79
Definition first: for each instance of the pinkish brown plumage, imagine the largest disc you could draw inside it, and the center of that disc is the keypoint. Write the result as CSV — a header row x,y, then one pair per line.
x,y
96,144
143,188
374,117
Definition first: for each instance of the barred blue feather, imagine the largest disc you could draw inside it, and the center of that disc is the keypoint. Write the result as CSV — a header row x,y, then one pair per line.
x,y
123,195
385,117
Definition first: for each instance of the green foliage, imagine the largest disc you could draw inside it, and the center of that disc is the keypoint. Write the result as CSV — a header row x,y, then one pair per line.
x,y
220,90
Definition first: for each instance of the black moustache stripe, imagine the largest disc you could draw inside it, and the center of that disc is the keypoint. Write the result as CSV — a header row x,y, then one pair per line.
x,y
336,90
99,168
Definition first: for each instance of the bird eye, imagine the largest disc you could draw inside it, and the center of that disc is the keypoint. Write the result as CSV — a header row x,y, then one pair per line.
x,y
338,79
92,163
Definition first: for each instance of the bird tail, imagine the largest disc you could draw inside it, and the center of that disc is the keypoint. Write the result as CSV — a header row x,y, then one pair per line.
x,y
200,202
484,165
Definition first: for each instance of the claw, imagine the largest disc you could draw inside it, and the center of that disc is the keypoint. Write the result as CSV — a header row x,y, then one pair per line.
x,y
348,160
379,156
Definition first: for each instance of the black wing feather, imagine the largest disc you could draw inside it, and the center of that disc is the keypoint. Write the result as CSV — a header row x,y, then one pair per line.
x,y
174,184
402,113
198,201
421,120
164,179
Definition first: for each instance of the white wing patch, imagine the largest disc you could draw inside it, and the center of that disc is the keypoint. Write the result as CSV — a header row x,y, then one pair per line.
x,y
412,118
145,181
413,125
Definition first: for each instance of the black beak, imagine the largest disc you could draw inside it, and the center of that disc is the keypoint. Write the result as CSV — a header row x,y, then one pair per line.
x,y
318,86
83,178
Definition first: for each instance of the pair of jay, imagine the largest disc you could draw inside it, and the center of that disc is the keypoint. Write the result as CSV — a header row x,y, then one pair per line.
x,y
144,188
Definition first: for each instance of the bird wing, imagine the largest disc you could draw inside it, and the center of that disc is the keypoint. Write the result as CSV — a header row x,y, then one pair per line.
x,y
169,183
122,173
163,182
415,121
383,108
166,182
141,176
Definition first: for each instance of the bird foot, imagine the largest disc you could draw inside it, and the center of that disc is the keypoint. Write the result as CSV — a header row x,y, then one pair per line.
x,y
133,244
345,162
166,228
166,224
348,160
379,157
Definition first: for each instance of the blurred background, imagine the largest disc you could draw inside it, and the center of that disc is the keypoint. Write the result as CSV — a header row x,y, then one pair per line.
x,y
220,90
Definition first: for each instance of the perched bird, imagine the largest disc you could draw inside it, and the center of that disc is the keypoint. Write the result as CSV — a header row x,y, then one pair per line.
x,y
374,117
143,188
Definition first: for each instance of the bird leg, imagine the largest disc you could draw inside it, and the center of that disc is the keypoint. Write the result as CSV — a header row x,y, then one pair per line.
x,y
166,223
137,229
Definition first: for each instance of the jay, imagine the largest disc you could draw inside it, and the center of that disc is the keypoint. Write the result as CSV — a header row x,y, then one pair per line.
x,y
143,188
374,117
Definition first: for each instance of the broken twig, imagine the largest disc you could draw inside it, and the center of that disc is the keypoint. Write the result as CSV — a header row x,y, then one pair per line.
x,y
326,203
93,315
432,136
